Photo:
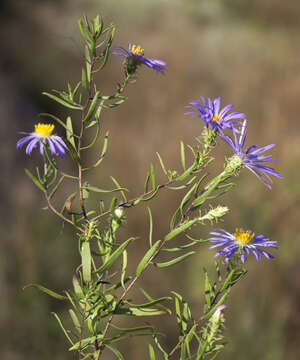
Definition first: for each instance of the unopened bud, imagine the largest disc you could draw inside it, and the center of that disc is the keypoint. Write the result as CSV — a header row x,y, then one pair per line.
x,y
119,212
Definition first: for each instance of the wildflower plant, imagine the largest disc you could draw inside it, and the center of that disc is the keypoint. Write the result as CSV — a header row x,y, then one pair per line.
x,y
101,285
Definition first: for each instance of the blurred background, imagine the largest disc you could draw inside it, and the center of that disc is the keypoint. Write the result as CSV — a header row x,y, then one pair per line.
x,y
248,53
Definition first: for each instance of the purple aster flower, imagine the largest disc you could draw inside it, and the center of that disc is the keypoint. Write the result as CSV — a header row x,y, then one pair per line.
x,y
42,135
242,242
252,158
135,56
213,117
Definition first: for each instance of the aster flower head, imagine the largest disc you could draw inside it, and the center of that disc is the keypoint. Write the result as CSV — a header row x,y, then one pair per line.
x,y
241,243
213,116
135,57
42,136
252,158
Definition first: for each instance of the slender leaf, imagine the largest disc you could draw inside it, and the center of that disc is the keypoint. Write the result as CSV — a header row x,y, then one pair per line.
x,y
62,327
119,188
47,291
92,107
72,151
35,180
181,229
69,131
147,258
75,320
63,102
182,154
96,189
153,176
86,261
174,261
151,352
150,226
114,257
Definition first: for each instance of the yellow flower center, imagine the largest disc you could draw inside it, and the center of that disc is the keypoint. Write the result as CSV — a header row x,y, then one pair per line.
x,y
243,237
137,50
43,130
216,117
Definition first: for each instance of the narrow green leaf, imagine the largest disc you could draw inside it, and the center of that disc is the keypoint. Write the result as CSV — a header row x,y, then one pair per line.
x,y
147,258
104,149
227,281
115,351
35,180
220,302
162,164
174,261
83,31
187,197
113,204
62,327
84,79
114,257
47,291
151,352
175,218
86,261
88,63
92,107
139,311
181,229
207,289
182,155
75,320
186,173
150,226
72,151
69,131
124,267
133,329
63,102
85,342
119,188
77,288
153,176
96,189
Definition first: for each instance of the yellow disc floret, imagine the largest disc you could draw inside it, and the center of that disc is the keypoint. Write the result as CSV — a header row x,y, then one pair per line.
x,y
137,50
216,117
43,130
243,237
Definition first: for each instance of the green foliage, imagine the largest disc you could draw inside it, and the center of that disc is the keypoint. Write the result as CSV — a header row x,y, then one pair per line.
x,y
100,285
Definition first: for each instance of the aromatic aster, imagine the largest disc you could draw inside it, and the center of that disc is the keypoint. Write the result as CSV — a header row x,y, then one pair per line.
x,y
134,57
252,158
42,136
242,243
213,117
